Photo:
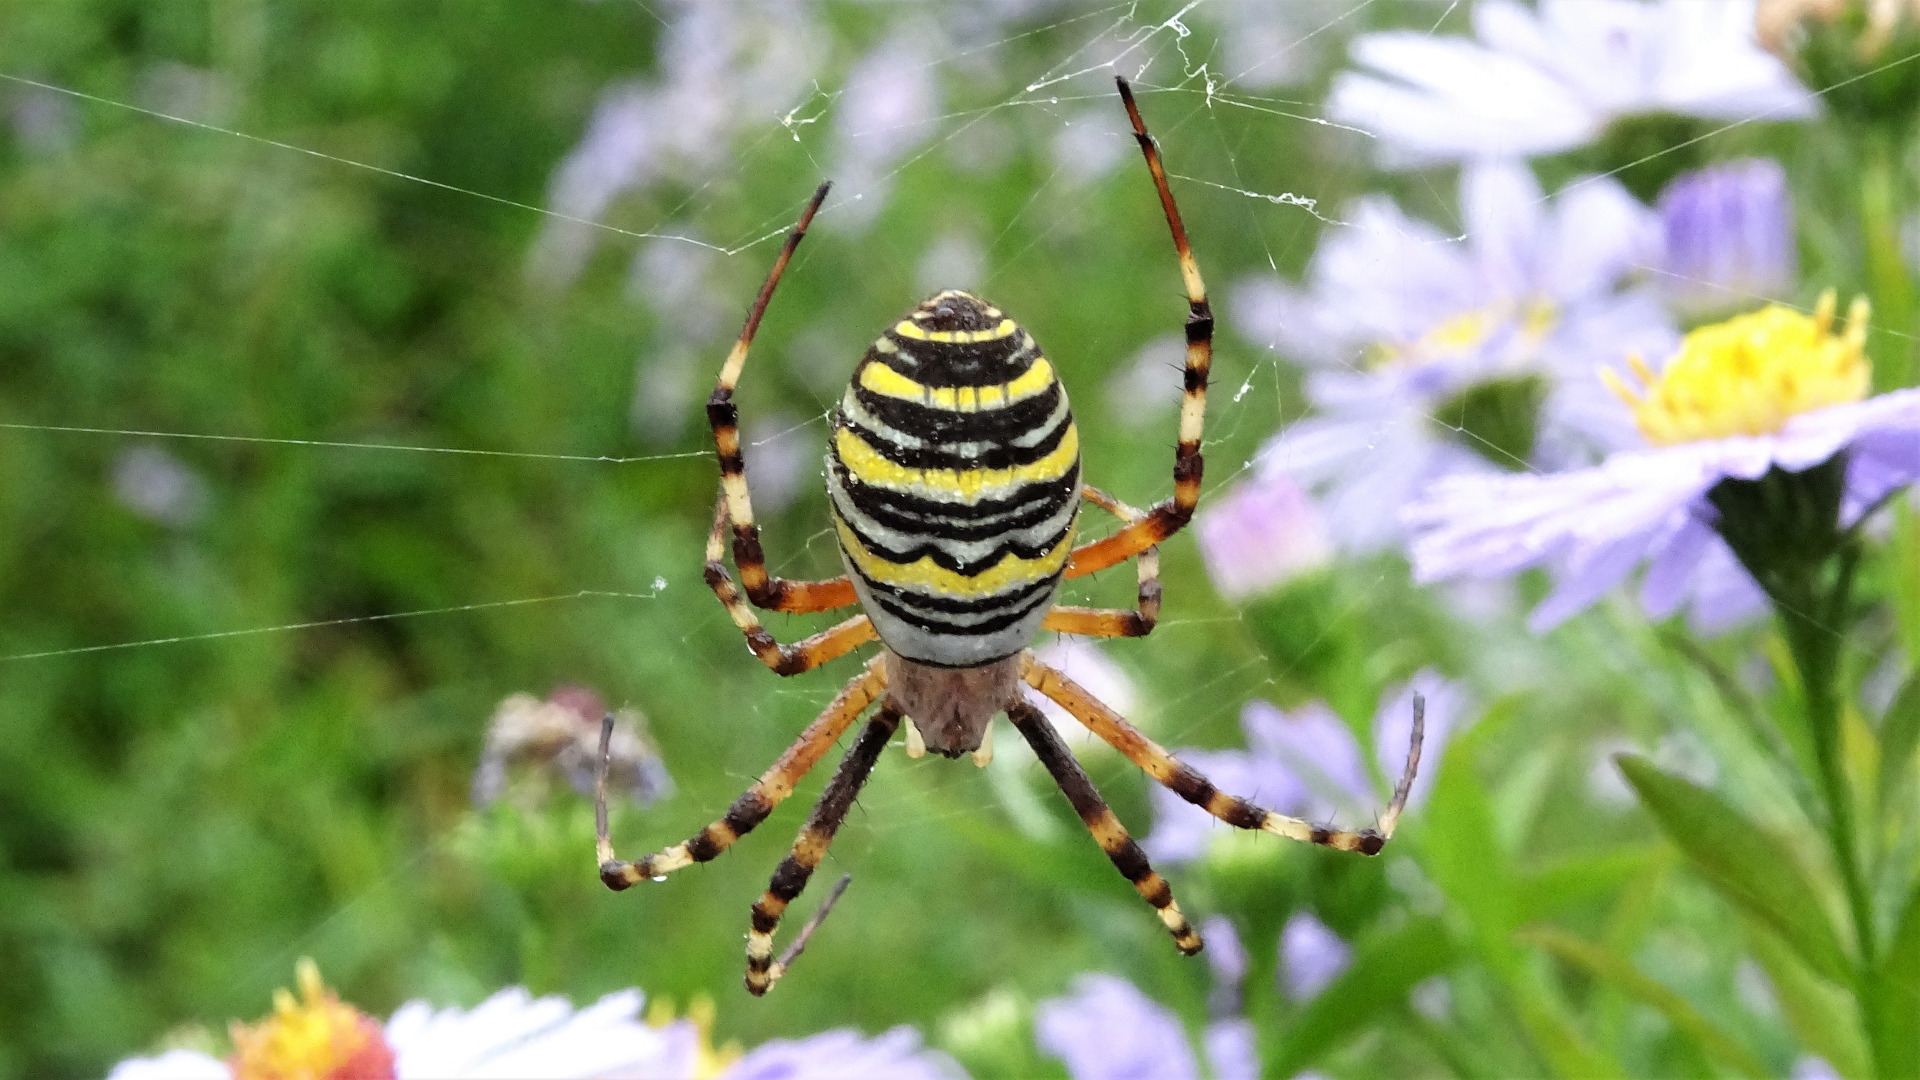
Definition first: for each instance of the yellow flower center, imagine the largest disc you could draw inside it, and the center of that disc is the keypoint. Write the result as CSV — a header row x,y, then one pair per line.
x,y
314,1037
1453,337
1748,375
709,1062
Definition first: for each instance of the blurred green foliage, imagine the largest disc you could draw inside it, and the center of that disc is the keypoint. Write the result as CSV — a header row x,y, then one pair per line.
x,y
179,822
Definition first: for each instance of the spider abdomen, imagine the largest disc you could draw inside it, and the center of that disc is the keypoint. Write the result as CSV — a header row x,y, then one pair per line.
x,y
954,468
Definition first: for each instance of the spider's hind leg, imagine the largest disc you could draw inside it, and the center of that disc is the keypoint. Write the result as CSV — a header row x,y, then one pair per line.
x,y
1101,822
808,849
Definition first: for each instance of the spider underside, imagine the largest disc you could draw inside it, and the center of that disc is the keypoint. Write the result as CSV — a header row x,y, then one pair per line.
x,y
954,472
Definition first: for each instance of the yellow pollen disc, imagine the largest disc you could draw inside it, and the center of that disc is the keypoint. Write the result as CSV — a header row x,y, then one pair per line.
x,y
1461,334
708,1062
1749,374
305,1039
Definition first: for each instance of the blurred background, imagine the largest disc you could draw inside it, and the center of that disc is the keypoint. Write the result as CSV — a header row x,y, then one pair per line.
x,y
351,364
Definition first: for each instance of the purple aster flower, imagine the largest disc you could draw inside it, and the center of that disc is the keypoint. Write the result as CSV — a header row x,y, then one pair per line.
x,y
1729,236
1232,1047
1260,534
834,1055
1552,80
1311,957
1773,396
1108,1030
156,485
724,68
560,737
1105,1029
1813,1068
1431,356
1307,764
889,105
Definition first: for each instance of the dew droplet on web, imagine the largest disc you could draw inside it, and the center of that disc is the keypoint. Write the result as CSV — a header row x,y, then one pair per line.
x,y
659,583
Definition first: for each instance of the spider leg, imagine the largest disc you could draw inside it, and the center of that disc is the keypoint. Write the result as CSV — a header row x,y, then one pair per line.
x,y
1187,783
752,807
1168,517
829,644
1113,622
1101,822
723,415
810,847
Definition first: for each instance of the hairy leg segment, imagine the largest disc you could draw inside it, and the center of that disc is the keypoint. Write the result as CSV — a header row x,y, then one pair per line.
x,y
752,807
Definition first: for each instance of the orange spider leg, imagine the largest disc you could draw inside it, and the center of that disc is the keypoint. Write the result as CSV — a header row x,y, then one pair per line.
x,y
752,807
829,644
1187,783
1113,622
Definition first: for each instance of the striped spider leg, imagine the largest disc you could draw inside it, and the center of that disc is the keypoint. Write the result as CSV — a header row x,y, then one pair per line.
x,y
1187,783
1169,516
1112,622
772,593
808,849
1112,836
753,806
829,644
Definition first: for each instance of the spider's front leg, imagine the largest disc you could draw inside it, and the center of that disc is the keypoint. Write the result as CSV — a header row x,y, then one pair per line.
x,y
723,415
1187,783
753,806
1170,516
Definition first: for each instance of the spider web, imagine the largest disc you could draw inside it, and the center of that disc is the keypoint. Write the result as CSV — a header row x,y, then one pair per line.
x,y
1213,78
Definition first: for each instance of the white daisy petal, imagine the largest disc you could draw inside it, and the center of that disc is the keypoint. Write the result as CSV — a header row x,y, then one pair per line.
x,y
172,1065
1552,79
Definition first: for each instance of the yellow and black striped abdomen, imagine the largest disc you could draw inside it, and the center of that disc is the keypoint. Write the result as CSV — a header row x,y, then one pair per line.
x,y
954,468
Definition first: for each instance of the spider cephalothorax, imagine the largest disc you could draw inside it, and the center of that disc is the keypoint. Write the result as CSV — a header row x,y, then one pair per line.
x,y
954,471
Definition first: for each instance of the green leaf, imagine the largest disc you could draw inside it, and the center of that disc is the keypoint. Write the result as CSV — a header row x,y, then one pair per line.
x,y
1899,736
1464,859
1894,1028
1386,966
1604,964
1821,1015
1556,886
1753,871
1567,1051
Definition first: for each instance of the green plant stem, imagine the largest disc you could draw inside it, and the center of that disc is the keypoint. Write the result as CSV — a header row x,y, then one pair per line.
x,y
1810,620
1888,283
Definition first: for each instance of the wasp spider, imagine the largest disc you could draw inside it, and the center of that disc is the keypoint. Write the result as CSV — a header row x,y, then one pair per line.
x,y
954,471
